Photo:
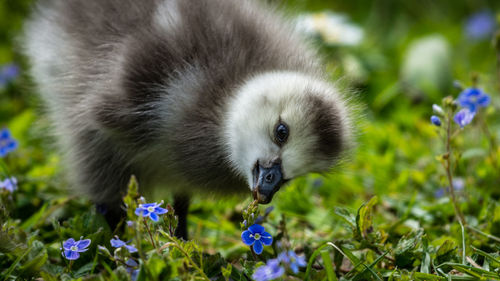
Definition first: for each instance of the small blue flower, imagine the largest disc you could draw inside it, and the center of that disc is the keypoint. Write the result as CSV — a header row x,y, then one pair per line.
x,y
464,117
9,184
439,193
292,260
151,210
130,223
72,248
458,184
117,243
435,120
7,143
256,236
132,269
270,271
8,73
480,25
472,98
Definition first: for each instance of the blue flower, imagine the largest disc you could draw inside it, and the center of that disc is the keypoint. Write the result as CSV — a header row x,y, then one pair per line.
x,y
464,117
256,236
151,210
480,25
7,143
435,120
8,73
72,248
132,269
9,184
117,243
439,193
292,260
270,271
472,98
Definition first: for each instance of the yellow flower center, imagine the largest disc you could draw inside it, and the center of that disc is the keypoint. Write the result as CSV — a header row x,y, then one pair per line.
x,y
257,236
151,209
73,248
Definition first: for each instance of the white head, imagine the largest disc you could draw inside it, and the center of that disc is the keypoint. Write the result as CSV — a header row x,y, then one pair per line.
x,y
281,125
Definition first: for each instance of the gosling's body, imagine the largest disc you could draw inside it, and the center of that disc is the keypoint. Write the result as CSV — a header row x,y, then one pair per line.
x,y
164,89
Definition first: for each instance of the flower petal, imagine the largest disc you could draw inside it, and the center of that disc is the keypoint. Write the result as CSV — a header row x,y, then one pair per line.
x,y
131,262
257,247
69,243
12,145
256,228
294,267
245,237
147,205
483,100
131,248
82,244
4,134
153,216
160,211
283,257
71,255
266,238
117,243
141,212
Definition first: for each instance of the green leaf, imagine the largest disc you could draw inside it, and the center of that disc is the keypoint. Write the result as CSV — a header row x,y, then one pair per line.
x,y
328,264
34,264
35,218
408,249
446,251
473,271
364,218
349,218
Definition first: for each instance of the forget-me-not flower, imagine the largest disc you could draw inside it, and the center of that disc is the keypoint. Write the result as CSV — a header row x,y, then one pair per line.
x,y
256,236
9,184
8,73
151,210
117,243
435,120
473,98
132,269
7,143
464,117
292,260
270,271
480,25
72,248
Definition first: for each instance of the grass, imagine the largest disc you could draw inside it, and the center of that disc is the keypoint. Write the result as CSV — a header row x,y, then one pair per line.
x,y
386,214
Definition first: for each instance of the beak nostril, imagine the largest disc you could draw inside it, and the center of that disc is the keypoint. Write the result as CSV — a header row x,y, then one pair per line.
x,y
269,178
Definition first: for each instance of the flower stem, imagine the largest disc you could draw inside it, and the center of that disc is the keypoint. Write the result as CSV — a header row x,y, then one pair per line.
x,y
449,174
176,244
150,235
70,265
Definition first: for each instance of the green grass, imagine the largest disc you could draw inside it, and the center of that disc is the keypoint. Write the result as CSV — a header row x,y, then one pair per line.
x,y
376,217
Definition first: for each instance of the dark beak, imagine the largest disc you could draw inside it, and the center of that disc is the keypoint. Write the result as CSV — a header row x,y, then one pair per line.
x,y
266,181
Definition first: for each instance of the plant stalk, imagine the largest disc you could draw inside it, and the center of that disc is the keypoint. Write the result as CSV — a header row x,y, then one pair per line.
x,y
449,173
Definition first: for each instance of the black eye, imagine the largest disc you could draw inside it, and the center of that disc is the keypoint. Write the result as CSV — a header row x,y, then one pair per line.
x,y
281,133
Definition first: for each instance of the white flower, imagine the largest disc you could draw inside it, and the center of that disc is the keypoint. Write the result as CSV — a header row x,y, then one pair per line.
x,y
437,109
334,29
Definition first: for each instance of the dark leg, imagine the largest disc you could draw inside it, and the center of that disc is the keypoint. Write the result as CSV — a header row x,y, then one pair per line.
x,y
114,216
181,207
